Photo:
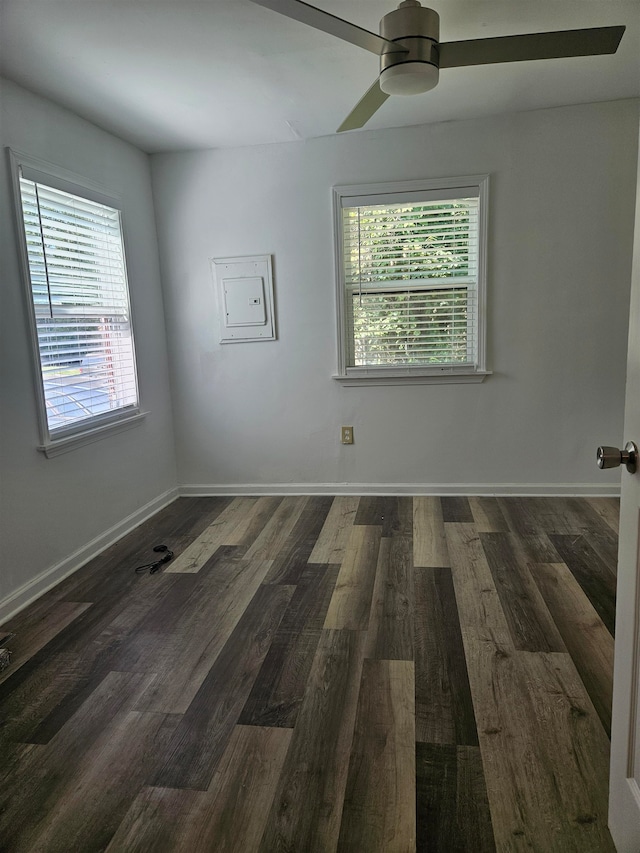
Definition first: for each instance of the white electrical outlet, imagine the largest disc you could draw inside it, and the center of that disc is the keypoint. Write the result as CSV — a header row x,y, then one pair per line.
x,y
347,435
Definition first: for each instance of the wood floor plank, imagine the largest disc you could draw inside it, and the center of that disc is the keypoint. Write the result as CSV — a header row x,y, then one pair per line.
x,y
86,681
30,701
605,543
336,531
171,610
456,508
404,518
556,515
33,634
234,811
201,549
536,548
277,529
290,562
591,520
251,524
351,601
531,625
569,727
429,542
609,510
228,818
517,512
157,821
201,737
451,800
373,509
84,652
310,603
392,513
390,634
381,818
530,739
125,592
523,804
184,662
585,636
476,595
228,680
130,606
187,516
112,570
41,785
249,527
45,692
591,573
552,515
318,758
277,693
487,515
14,757
443,706
95,800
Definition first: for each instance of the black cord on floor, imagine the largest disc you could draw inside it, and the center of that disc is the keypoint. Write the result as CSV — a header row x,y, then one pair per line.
x,y
167,554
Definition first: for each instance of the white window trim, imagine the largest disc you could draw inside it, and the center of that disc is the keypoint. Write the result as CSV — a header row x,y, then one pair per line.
x,y
359,194
103,426
80,439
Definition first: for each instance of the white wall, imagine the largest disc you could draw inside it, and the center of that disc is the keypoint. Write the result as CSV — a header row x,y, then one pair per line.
x,y
267,415
561,223
51,509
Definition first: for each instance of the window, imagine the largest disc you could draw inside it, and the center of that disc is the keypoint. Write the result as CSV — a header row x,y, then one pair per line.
x,y
411,282
79,304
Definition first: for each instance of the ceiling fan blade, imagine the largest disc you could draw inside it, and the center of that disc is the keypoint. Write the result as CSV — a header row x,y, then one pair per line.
x,y
368,104
554,45
328,23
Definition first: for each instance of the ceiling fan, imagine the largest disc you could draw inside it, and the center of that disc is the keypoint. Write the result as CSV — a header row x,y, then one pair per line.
x,y
411,54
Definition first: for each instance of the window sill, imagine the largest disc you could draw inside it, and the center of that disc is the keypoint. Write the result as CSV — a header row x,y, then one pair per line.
x,y
380,376
71,442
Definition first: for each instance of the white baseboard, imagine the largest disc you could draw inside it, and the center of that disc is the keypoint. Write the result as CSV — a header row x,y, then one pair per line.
x,y
489,489
37,586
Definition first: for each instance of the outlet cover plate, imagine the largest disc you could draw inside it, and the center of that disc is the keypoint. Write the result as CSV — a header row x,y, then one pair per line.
x,y
347,435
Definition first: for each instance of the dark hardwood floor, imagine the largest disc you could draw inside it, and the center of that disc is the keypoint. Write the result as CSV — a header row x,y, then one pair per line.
x,y
374,674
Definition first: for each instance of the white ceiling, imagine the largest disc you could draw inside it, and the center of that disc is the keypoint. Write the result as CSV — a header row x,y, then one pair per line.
x,y
174,74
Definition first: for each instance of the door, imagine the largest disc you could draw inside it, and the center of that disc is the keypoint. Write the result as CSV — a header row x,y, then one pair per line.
x,y
624,786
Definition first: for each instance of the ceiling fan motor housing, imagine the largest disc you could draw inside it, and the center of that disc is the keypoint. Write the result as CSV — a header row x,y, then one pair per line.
x,y
418,28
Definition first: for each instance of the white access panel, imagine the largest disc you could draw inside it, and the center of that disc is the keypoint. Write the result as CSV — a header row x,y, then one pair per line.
x,y
245,298
244,301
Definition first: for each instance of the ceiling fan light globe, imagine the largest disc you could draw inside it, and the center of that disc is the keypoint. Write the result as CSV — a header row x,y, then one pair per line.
x,y
409,78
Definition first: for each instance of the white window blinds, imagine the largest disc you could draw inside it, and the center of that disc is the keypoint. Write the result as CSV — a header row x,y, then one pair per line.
x,y
81,304
411,280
